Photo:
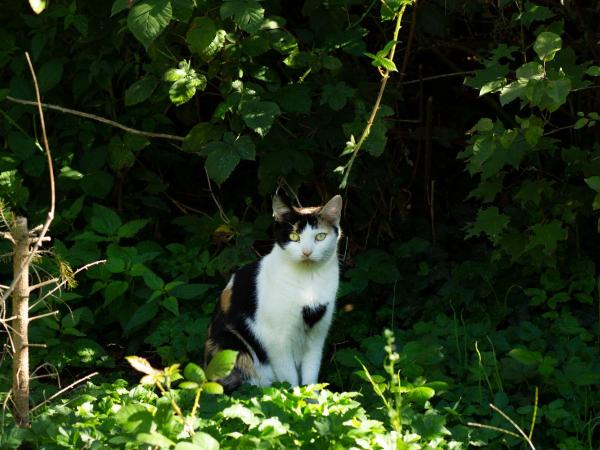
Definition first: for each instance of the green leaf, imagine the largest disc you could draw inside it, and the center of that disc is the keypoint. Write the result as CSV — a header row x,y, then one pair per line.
x,y
155,439
547,235
593,182
212,387
190,291
200,135
221,364
546,45
38,6
204,39
581,122
336,95
148,18
525,357
188,446
118,6
185,83
141,90
593,71
247,14
134,418
50,74
114,290
183,9
130,229
105,220
534,13
259,115
142,315
190,385
295,98
532,70
205,441
224,156
171,304
194,372
97,184
489,222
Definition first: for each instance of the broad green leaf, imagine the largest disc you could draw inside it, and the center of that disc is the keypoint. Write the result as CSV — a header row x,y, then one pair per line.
x,y
50,74
182,90
546,45
212,387
114,290
148,18
204,38
130,229
593,71
22,146
171,304
295,98
190,291
593,182
141,90
118,6
221,364
205,441
97,184
188,446
155,439
105,220
490,222
532,70
224,156
526,357
200,135
183,9
194,372
336,95
259,115
142,315
152,280
134,418
247,14
188,385
534,13
547,235
581,122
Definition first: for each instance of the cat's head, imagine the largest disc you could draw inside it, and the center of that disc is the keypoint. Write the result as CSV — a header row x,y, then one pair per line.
x,y
307,235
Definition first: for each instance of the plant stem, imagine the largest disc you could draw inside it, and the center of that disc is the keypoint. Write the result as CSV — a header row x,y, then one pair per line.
x,y
385,74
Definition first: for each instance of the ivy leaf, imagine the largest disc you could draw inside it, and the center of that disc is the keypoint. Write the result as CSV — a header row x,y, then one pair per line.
x,y
489,222
546,45
547,236
247,14
259,115
141,90
147,19
224,156
221,364
336,95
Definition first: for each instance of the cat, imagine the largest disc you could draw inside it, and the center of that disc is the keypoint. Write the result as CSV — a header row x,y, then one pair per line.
x,y
276,312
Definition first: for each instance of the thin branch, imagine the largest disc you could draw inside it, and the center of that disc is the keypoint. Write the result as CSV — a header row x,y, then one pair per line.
x,y
222,214
62,283
437,77
97,119
43,283
385,74
41,316
513,423
75,383
50,215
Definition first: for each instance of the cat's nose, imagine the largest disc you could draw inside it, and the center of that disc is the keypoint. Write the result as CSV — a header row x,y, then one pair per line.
x,y
306,252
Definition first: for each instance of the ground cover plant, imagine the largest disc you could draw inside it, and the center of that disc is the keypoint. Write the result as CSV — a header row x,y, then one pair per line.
x,y
464,137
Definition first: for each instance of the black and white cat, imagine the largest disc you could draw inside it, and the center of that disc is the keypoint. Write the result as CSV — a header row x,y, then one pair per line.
x,y
276,312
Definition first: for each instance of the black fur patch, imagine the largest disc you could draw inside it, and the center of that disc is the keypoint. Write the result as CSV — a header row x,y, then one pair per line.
x,y
312,314
243,306
282,229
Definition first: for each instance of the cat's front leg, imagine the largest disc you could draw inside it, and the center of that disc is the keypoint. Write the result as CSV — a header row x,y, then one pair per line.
x,y
311,360
284,367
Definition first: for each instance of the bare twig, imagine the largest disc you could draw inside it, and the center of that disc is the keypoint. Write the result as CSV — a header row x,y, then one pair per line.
x,y
62,283
222,214
41,316
75,383
43,283
97,119
437,77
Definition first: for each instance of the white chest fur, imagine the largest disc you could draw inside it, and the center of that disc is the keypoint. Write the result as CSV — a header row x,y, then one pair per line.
x,y
285,290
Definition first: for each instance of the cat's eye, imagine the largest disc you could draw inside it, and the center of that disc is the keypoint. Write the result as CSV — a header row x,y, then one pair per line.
x,y
320,236
294,236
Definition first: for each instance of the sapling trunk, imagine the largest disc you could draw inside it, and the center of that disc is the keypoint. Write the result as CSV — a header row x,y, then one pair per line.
x,y
20,323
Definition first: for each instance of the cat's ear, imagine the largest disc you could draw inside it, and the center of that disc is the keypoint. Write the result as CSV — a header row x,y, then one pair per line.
x,y
280,208
332,211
